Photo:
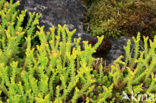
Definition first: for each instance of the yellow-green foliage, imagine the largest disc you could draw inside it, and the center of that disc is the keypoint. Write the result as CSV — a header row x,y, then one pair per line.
x,y
55,72
114,18
137,73
11,31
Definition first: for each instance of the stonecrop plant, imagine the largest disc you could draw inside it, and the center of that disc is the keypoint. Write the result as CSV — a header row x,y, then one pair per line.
x,y
52,70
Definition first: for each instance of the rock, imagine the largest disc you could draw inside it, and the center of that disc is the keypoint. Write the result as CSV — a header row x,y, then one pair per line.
x,y
70,12
110,49
56,12
118,49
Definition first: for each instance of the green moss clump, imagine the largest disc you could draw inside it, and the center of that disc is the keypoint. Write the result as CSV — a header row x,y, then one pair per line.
x,y
114,18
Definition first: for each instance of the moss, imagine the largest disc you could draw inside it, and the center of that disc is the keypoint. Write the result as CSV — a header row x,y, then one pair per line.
x,y
114,18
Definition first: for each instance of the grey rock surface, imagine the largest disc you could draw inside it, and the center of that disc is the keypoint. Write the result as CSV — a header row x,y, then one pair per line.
x,y
70,12
118,48
56,12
